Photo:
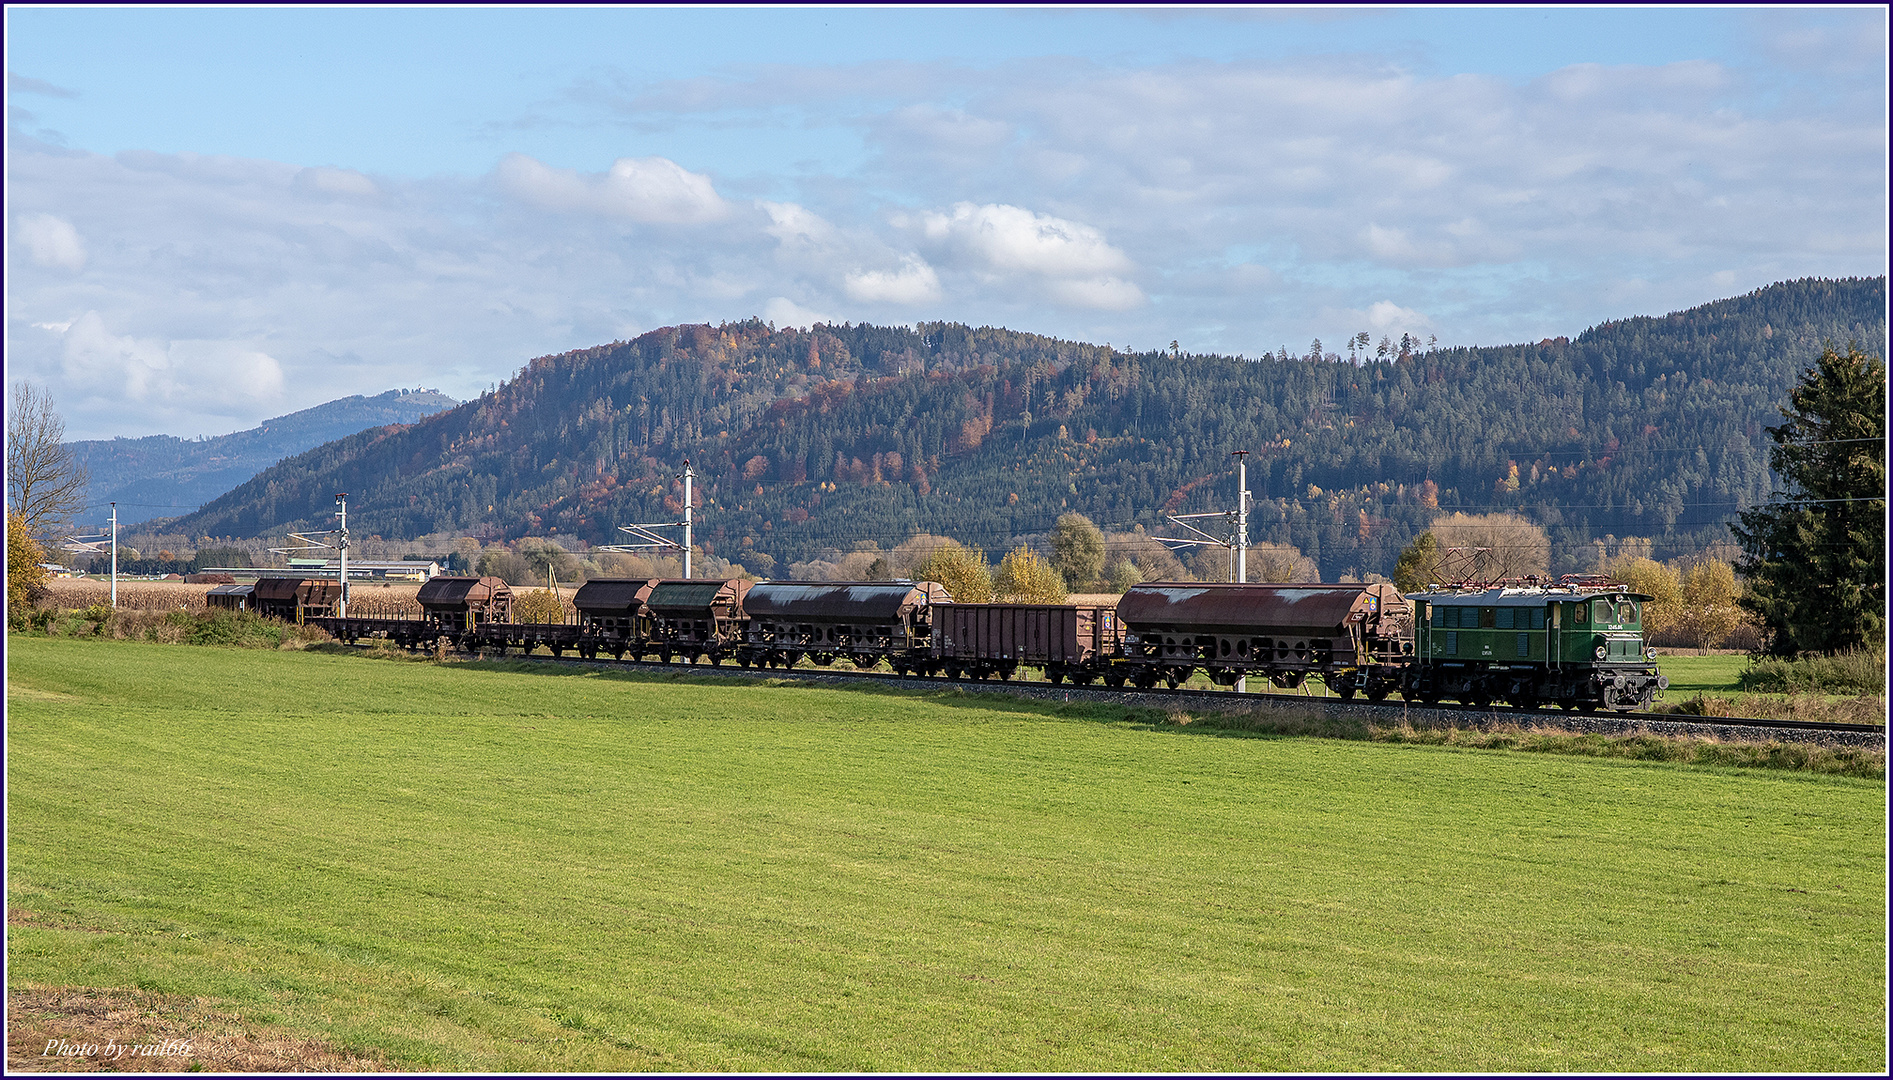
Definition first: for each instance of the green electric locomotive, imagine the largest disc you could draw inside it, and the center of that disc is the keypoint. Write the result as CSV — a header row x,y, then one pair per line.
x,y
1577,644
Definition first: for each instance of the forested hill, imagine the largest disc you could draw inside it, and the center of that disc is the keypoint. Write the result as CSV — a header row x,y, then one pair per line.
x,y
806,440
158,474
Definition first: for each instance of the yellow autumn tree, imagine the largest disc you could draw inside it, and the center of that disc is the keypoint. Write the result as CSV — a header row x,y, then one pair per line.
x,y
1024,578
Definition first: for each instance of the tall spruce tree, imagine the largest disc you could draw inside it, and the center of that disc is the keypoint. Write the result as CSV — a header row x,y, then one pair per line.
x,y
1816,558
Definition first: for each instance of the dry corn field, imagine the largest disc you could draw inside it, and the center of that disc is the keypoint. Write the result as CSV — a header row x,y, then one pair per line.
x,y
375,600
132,595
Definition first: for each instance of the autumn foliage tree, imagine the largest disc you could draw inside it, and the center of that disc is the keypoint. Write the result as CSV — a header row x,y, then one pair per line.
x,y
26,580
1023,577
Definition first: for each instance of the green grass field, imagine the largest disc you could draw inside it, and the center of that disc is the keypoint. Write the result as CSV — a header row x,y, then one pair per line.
x,y
453,868
1691,675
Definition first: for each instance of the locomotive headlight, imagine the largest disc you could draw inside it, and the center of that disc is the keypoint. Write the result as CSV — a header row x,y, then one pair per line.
x,y
1601,650
1649,654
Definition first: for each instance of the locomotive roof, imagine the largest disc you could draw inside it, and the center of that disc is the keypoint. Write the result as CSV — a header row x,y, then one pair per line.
x,y
1526,596
862,600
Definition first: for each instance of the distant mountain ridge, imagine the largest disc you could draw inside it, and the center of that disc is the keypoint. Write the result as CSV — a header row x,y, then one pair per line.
x,y
816,440
164,476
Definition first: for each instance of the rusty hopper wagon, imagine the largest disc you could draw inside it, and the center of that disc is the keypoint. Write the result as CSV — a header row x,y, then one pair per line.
x,y
864,621
461,602
612,612
230,597
294,599
695,617
983,640
1356,637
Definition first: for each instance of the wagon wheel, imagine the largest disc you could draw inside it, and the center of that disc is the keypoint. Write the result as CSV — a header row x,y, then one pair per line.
x,y
1346,692
1057,677
1115,682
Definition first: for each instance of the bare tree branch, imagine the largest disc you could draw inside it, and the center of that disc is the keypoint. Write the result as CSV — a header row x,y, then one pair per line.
x,y
46,486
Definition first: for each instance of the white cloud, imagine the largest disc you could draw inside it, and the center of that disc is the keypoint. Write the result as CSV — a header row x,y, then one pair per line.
x,y
51,241
1235,206
791,224
1075,263
653,190
785,312
914,283
220,374
1012,238
335,182
1387,317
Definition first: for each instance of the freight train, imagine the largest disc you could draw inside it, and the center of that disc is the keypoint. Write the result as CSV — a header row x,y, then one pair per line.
x,y
1575,643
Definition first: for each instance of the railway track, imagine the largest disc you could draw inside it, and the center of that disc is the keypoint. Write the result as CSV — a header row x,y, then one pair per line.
x,y
1580,721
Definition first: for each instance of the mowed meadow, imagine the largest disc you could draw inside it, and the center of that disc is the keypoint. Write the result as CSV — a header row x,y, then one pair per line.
x,y
491,867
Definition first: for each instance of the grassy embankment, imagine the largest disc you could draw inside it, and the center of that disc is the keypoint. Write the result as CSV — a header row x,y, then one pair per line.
x,y
456,868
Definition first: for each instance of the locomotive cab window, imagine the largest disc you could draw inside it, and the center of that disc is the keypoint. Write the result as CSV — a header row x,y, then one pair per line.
x,y
1627,612
1601,611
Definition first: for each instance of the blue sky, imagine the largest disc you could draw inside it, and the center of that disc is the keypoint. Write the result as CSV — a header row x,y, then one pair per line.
x,y
217,215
